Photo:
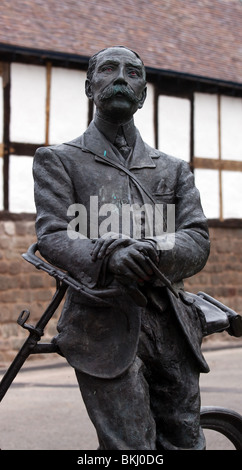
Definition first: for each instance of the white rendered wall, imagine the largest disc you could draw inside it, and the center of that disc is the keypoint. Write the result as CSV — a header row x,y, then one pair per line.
x,y
174,126
21,185
232,194
206,134
231,149
1,109
231,128
1,183
28,98
144,118
68,105
68,119
206,145
207,182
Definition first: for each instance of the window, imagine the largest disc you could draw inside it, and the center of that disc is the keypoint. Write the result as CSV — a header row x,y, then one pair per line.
x,y
46,104
218,154
21,187
206,125
27,103
144,118
68,105
40,105
174,126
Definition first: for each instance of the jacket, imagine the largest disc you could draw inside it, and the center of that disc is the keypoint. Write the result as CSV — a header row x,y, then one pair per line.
x,y
101,338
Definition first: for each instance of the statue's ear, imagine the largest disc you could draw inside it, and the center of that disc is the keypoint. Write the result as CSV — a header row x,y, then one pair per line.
x,y
88,89
143,98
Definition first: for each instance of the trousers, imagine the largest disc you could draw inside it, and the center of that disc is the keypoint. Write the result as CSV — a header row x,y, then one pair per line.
x,y
155,404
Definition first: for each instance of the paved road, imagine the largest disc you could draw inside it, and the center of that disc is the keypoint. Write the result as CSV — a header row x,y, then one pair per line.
x,y
43,409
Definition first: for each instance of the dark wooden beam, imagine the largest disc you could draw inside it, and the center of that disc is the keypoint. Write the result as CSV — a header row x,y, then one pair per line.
x,y
217,164
6,126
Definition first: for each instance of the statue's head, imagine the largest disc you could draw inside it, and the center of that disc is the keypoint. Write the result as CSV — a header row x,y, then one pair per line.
x,y
116,82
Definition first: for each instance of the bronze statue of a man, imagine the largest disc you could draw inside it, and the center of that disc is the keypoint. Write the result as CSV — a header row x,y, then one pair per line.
x,y
135,343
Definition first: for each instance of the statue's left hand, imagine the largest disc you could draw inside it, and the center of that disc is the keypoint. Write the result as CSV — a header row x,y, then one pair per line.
x,y
106,245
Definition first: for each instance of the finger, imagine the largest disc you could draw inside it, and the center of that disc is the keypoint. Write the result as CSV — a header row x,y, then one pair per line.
x,y
107,246
151,252
135,270
101,244
97,246
140,258
148,249
104,247
117,244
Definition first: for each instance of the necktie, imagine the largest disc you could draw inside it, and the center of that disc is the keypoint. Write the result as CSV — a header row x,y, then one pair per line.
x,y
122,146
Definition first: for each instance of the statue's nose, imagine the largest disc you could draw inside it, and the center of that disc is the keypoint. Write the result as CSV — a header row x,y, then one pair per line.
x,y
120,79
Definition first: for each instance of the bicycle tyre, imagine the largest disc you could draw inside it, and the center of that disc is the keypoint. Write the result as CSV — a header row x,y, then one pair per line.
x,y
224,421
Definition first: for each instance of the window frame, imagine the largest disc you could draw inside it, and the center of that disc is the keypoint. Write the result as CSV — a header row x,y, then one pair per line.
x,y
26,149
181,87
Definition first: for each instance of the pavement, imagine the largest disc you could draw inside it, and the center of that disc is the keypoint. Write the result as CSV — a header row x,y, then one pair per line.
x,y
43,408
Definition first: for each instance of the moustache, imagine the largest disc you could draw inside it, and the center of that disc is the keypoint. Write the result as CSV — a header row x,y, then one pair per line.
x,y
113,90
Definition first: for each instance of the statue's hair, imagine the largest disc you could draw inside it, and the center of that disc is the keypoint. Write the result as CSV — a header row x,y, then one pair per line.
x,y
93,61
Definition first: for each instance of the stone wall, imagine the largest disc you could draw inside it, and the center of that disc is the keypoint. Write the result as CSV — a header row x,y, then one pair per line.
x,y
22,286
222,276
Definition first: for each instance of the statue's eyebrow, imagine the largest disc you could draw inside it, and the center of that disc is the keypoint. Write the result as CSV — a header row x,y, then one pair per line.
x,y
108,62
116,62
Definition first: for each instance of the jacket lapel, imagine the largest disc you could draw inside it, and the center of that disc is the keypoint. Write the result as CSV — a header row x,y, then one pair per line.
x,y
143,155
95,142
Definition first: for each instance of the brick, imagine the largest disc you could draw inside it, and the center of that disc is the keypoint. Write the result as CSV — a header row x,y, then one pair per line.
x,y
4,267
4,243
6,313
43,295
4,345
21,228
9,329
21,244
14,267
30,229
5,282
22,281
224,246
9,228
36,281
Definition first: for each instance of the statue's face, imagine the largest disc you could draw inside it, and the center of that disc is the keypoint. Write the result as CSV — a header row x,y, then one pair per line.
x,y
118,86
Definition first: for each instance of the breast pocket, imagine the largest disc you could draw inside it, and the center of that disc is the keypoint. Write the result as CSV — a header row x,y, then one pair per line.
x,y
167,197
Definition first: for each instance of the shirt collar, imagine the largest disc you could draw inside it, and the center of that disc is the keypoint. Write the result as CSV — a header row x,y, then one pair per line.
x,y
110,130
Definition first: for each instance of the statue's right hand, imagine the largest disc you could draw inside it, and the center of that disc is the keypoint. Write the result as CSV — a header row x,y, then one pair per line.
x,y
129,263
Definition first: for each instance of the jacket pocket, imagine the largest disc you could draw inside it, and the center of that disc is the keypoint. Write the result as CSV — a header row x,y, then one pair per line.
x,y
167,197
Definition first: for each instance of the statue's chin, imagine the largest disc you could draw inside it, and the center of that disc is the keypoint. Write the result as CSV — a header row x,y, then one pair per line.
x,y
118,109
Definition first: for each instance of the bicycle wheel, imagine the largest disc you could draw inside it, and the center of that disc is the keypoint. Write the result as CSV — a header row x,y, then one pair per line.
x,y
224,421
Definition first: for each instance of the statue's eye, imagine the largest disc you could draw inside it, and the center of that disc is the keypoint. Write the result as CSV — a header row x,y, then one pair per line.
x,y
108,68
133,73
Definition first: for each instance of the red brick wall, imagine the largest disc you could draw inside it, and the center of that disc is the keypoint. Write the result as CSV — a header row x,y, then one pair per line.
x,y
22,286
222,275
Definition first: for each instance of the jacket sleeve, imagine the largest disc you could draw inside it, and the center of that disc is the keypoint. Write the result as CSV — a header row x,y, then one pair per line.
x,y
187,248
54,194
